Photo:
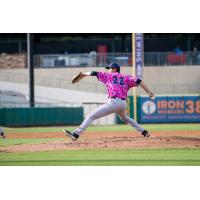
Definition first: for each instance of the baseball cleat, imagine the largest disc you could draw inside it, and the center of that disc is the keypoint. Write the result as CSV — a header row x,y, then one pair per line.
x,y
2,135
145,133
73,136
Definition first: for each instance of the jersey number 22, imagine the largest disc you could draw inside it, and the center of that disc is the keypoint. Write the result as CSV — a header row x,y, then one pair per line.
x,y
119,81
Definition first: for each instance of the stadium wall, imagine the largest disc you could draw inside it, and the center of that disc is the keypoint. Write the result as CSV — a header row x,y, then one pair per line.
x,y
40,116
162,80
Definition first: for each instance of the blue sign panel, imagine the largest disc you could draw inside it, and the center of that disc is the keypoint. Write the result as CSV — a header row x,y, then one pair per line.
x,y
169,109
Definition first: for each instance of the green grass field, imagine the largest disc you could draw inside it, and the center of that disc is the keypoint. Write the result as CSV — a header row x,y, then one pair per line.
x,y
132,157
151,127
128,157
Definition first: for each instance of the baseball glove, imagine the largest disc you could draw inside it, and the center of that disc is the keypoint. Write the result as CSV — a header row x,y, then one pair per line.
x,y
78,77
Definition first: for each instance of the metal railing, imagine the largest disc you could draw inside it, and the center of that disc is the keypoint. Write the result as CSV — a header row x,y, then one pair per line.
x,y
82,60
93,59
171,58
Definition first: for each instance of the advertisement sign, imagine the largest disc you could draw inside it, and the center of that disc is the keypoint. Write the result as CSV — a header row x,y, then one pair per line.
x,y
169,109
138,54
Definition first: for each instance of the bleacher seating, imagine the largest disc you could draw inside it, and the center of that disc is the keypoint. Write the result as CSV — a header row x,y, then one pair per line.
x,y
173,59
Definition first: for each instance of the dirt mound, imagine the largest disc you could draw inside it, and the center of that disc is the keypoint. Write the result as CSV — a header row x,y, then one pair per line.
x,y
109,142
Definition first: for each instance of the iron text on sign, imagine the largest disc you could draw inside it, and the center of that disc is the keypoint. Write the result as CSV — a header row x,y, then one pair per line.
x,y
170,109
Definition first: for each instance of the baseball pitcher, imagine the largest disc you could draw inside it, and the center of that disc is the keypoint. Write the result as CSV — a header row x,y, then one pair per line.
x,y
117,86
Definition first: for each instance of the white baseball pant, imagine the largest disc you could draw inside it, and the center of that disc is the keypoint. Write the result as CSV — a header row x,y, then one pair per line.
x,y
117,106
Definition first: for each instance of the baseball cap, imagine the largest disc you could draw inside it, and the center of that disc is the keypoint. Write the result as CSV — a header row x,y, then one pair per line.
x,y
113,65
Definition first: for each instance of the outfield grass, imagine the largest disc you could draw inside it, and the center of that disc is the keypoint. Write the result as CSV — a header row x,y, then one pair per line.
x,y
127,157
132,157
150,127
18,141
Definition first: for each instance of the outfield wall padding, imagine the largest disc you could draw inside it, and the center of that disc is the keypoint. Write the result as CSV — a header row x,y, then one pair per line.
x,y
41,116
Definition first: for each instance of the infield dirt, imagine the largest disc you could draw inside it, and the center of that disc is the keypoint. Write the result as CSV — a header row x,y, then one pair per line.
x,y
108,140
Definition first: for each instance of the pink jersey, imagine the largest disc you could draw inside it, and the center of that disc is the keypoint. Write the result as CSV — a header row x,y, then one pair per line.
x,y
117,84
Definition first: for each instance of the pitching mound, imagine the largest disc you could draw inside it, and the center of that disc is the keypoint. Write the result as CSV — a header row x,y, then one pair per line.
x,y
125,140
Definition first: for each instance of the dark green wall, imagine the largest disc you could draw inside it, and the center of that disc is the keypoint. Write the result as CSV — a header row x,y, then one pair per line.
x,y
40,116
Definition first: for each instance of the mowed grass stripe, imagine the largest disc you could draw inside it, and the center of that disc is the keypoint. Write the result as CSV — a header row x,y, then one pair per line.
x,y
128,157
113,128
20,141
103,163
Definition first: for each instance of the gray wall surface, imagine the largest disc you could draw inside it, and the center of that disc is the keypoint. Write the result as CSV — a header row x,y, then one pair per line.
x,y
162,80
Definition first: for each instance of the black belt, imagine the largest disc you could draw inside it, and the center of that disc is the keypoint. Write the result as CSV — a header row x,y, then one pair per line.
x,y
116,98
